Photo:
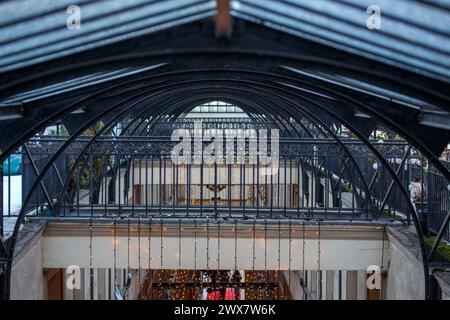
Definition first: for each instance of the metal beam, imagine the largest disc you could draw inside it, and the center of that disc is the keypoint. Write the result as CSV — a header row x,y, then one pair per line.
x,y
36,172
391,185
223,19
435,120
11,111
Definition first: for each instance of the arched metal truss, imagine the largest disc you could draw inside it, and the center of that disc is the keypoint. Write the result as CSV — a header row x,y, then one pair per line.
x,y
269,85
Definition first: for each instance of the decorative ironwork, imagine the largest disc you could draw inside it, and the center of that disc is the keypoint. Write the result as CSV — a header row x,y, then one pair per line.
x,y
163,146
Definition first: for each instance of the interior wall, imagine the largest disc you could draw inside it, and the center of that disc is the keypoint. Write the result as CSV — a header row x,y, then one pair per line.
x,y
402,259
27,278
405,274
172,252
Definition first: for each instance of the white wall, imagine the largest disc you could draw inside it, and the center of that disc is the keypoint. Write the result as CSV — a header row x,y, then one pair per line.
x,y
27,282
405,275
336,254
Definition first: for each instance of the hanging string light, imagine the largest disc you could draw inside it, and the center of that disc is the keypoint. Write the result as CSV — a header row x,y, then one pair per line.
x,y
141,285
262,274
115,254
254,244
235,244
302,283
161,242
207,251
160,288
279,252
218,256
290,252
179,243
319,273
91,257
265,259
128,274
180,275
254,256
149,254
382,259
195,259
236,287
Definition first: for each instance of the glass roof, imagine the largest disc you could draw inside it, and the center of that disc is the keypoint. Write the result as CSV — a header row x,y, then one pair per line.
x,y
216,109
77,83
33,31
413,34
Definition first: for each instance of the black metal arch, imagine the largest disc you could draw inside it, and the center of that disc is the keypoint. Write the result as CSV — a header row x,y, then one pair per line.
x,y
44,170
282,97
247,103
199,99
244,56
396,128
260,80
315,121
249,106
384,119
180,99
439,163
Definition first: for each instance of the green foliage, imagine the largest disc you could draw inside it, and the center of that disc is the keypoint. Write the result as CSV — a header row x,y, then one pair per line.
x,y
63,130
97,163
382,136
348,187
388,213
443,248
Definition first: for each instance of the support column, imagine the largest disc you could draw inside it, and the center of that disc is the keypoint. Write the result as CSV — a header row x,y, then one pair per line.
x,y
361,285
352,277
313,284
330,285
86,284
95,284
101,284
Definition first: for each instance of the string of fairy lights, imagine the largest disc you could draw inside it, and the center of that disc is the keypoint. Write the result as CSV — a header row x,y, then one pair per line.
x,y
149,254
266,287
303,274
128,270
91,260
175,283
161,292
115,282
290,252
279,256
215,280
218,251
195,259
319,272
140,284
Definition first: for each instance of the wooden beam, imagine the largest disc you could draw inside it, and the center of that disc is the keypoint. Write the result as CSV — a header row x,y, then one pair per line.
x,y
223,19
